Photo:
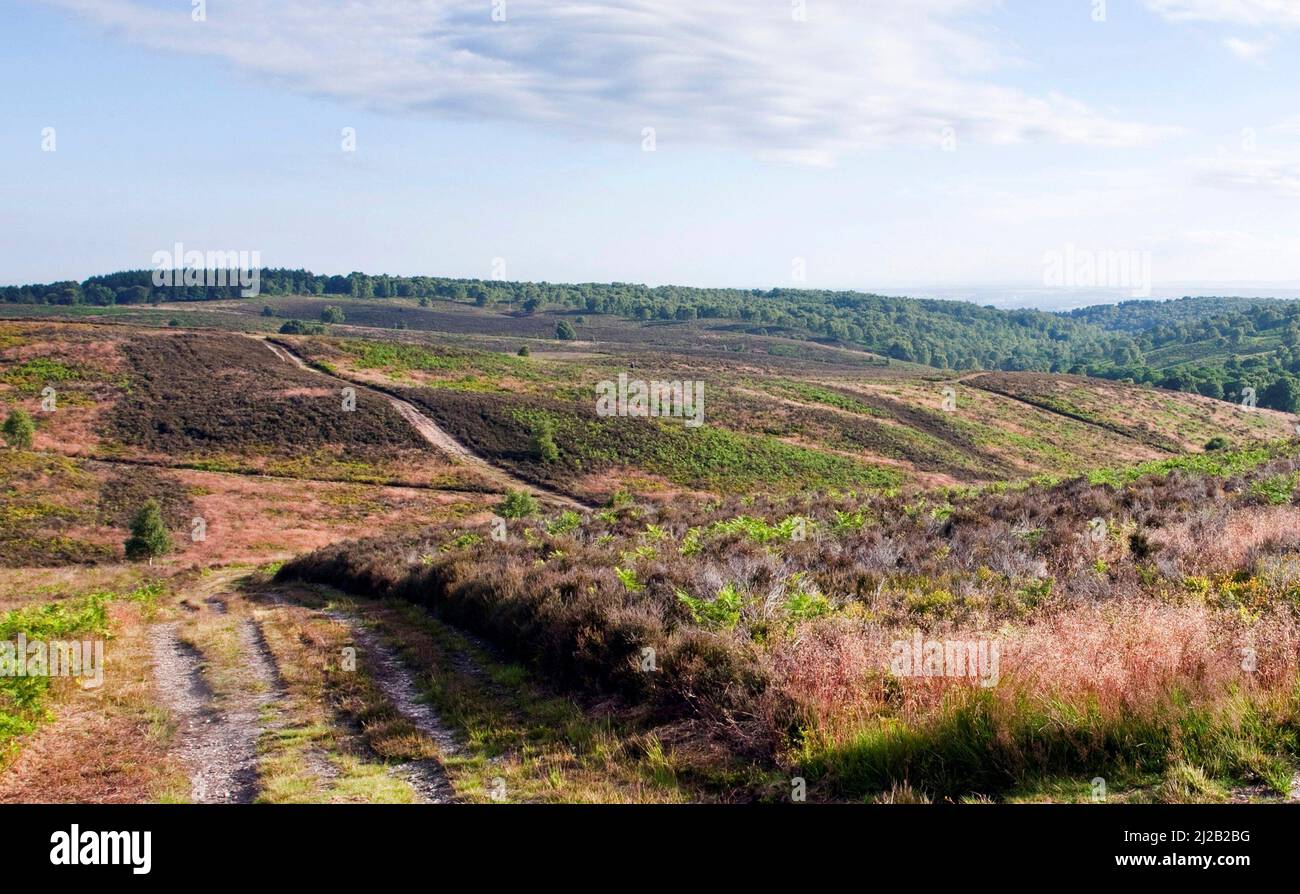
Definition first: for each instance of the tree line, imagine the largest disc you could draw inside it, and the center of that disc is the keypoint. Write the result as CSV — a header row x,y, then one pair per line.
x,y
1218,347
944,334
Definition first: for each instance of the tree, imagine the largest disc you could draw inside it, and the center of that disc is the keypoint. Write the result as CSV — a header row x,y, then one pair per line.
x,y
544,447
532,304
564,331
19,429
360,286
332,314
99,294
1283,394
149,537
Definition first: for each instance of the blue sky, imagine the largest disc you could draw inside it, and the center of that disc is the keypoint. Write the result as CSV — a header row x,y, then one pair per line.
x,y
1172,127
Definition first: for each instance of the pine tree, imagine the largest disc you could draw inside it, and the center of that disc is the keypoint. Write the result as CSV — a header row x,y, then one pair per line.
x,y
544,446
18,430
149,537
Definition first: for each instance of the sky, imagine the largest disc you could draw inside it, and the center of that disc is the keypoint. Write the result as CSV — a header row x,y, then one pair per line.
x,y
899,146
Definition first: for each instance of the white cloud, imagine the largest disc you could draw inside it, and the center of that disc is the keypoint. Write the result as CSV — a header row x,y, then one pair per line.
x,y
1253,13
1250,50
1274,175
726,72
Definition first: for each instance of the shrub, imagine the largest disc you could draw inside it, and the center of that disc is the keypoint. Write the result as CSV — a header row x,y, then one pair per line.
x,y
564,331
524,352
149,538
1126,675
19,429
1218,442
518,504
567,522
721,612
332,314
300,327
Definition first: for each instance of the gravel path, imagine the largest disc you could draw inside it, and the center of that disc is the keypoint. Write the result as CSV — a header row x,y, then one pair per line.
x,y
217,744
398,685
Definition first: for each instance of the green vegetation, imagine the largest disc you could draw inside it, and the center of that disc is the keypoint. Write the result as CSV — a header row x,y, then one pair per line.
x,y
300,327
1219,464
32,375
544,448
518,504
502,427
827,396
770,622
19,429
149,537
22,697
399,359
947,334
1217,347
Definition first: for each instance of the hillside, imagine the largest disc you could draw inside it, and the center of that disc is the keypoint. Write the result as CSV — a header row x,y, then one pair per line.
x,y
434,486
1215,347
945,334
1218,347
777,419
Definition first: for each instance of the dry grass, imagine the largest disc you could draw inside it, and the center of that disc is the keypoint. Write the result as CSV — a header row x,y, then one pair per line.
x,y
1112,658
107,745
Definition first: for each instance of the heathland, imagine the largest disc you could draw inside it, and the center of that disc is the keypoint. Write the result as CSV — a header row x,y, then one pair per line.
x,y
914,551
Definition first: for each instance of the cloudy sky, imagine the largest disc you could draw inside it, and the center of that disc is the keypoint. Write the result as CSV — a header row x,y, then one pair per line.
x,y
885,144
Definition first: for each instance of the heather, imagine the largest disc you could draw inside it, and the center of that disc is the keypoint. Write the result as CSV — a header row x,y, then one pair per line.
x,y
1144,622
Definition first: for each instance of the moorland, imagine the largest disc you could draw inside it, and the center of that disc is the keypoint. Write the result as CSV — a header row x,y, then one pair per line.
x,y
918,550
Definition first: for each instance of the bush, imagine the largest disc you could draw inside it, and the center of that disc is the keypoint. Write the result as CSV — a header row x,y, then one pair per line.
x,y
564,331
724,599
19,429
149,537
1218,442
518,504
299,327
332,314
524,352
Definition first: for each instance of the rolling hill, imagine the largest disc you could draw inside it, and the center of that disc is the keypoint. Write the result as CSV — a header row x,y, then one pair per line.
x,y
545,601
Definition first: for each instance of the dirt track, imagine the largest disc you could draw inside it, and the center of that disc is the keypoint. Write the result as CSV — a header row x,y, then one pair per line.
x,y
217,742
433,434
